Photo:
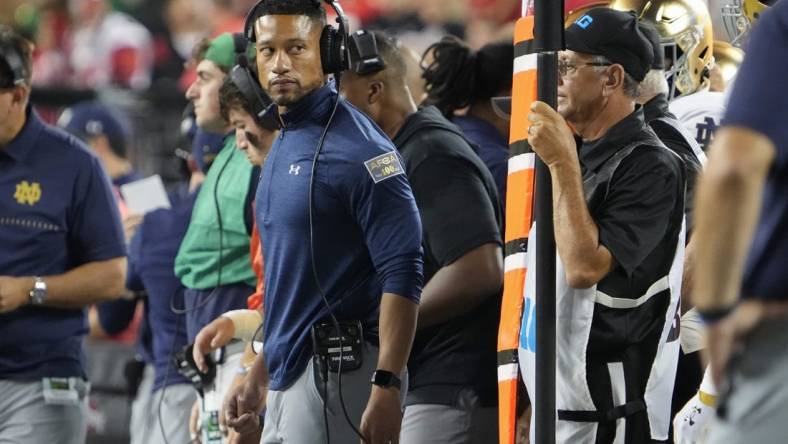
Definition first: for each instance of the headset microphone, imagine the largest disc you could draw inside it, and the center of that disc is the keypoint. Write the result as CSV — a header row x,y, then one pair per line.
x,y
245,79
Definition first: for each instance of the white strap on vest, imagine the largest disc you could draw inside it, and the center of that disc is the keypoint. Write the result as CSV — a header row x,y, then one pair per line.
x,y
609,301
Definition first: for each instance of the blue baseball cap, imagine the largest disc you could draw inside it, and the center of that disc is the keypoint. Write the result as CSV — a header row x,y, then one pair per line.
x,y
90,119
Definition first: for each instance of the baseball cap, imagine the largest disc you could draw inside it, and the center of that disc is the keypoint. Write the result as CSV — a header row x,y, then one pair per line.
x,y
614,35
221,51
655,39
90,119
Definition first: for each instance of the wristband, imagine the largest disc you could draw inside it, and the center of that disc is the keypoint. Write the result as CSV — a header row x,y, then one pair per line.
x,y
246,323
707,399
714,315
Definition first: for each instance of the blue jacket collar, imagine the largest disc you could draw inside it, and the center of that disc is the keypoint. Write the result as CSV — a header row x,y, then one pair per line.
x,y
19,148
314,106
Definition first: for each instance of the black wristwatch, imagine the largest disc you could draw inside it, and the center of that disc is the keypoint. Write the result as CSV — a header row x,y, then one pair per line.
x,y
385,379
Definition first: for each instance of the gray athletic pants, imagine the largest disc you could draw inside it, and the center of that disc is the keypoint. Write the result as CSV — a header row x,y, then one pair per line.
x,y
757,404
295,415
26,418
463,423
175,410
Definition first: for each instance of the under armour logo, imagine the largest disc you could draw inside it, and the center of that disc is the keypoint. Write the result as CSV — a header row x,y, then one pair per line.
x,y
584,21
706,130
295,169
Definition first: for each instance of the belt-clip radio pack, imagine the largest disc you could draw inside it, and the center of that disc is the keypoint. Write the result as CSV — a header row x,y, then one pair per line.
x,y
184,362
326,343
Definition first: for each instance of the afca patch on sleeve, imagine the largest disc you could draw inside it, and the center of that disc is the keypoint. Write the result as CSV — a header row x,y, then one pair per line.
x,y
384,166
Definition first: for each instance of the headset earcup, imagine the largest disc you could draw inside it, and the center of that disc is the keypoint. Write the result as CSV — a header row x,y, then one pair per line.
x,y
327,43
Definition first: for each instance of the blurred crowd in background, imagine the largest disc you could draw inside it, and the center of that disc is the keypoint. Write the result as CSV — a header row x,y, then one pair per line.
x,y
133,53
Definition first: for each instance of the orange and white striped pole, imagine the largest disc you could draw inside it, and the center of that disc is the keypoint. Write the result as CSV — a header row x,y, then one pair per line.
x,y
538,37
519,218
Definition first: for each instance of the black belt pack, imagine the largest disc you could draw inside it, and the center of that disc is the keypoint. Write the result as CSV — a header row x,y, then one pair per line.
x,y
330,345
184,363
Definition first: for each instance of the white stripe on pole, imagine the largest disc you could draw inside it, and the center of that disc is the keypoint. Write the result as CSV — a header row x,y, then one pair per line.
x,y
521,162
515,261
525,63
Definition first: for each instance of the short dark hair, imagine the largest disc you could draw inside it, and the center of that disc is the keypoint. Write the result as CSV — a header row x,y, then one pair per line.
x,y
310,8
11,41
230,97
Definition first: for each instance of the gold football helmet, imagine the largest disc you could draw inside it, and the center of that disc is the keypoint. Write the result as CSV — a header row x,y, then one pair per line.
x,y
573,9
727,58
738,17
685,28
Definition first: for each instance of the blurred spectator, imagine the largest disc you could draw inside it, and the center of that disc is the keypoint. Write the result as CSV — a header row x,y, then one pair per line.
x,y
50,60
418,23
185,24
223,17
108,48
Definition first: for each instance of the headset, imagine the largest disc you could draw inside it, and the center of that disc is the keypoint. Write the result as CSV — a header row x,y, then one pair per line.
x,y
363,51
333,49
14,62
244,77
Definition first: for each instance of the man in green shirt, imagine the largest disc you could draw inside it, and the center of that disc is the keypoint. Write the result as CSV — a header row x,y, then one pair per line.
x,y
213,259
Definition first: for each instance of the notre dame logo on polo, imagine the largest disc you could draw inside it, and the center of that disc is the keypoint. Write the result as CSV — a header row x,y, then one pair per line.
x,y
27,193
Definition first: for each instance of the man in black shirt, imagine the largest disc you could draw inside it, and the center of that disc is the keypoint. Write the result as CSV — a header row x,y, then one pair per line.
x,y
452,389
618,205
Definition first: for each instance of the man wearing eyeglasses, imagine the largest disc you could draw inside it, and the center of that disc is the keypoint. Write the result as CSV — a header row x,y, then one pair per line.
x,y
618,201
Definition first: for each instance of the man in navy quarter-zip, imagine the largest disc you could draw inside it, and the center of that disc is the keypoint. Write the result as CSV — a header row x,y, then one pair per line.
x,y
367,238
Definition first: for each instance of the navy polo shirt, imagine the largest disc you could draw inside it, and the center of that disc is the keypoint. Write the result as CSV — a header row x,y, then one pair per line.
x,y
115,316
57,212
755,105
151,263
490,146
367,232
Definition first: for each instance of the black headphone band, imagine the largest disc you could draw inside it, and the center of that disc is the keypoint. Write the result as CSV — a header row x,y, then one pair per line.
x,y
14,62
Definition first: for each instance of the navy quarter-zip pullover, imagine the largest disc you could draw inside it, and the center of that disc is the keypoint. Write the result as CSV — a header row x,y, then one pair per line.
x,y
367,232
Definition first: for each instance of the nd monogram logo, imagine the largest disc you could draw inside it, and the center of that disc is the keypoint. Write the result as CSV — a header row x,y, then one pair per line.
x,y
27,193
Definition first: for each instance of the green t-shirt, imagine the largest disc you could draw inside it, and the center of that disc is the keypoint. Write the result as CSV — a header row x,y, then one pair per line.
x,y
215,250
